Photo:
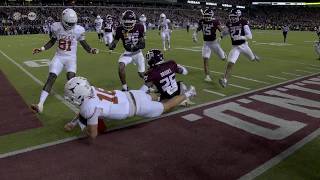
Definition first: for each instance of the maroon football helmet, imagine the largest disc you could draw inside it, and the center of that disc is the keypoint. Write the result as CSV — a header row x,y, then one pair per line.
x,y
129,20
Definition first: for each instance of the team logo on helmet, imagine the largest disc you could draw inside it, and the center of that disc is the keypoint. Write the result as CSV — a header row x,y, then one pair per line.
x,y
208,14
235,15
154,57
129,20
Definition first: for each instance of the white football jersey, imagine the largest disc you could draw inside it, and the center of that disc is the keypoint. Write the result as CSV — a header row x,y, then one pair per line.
x,y
114,104
164,25
98,24
143,19
67,39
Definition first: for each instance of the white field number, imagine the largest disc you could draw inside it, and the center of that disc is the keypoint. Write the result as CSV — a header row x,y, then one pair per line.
x,y
37,63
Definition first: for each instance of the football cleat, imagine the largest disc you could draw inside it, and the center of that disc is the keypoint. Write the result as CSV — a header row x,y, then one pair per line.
x,y
256,58
37,108
207,78
223,82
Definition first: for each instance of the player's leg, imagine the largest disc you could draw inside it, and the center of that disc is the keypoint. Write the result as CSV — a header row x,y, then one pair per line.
x,y
206,53
55,68
219,51
163,38
140,62
246,50
149,109
284,37
232,58
123,61
168,39
106,39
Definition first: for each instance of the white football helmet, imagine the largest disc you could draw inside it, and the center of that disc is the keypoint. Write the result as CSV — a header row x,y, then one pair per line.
x,y
98,17
77,89
162,16
69,18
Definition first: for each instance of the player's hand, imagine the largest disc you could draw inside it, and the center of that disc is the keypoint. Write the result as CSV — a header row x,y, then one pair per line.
x,y
94,51
69,126
36,50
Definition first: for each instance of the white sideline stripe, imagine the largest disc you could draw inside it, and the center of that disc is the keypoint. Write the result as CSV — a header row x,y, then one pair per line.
x,y
153,119
37,147
276,77
59,97
214,92
299,70
292,74
277,159
241,87
239,77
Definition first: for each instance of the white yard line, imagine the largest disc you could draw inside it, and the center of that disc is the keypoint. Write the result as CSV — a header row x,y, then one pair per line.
x,y
292,74
237,86
299,70
214,92
59,97
239,77
276,77
188,49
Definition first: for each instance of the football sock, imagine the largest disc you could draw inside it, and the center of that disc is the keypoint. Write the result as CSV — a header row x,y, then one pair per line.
x,y
43,97
125,87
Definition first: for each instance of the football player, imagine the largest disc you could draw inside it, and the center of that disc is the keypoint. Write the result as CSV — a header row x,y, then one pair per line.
x,y
132,36
240,32
317,44
96,103
209,25
48,24
285,30
98,22
143,20
165,28
67,33
108,29
162,74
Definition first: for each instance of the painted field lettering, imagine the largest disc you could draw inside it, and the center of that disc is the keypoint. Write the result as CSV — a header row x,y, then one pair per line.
x,y
283,130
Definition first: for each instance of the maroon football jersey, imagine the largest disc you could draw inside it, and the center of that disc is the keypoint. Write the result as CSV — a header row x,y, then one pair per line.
x,y
129,38
163,76
209,29
236,29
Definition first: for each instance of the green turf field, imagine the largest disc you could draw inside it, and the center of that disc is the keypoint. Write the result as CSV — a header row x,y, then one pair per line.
x,y
279,63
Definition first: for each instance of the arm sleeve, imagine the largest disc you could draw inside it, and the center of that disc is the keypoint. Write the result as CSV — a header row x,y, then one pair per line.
x,y
117,35
182,70
93,120
247,32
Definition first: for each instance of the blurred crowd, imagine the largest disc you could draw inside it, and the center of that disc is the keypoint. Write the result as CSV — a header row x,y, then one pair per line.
x,y
260,18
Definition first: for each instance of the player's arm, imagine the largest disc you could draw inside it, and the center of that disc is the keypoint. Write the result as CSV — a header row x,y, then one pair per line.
x,y
182,70
92,124
145,87
247,32
195,33
115,41
87,47
48,45
141,44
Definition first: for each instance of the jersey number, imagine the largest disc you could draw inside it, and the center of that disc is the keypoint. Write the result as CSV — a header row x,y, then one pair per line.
x,y
170,85
235,32
207,29
65,45
107,95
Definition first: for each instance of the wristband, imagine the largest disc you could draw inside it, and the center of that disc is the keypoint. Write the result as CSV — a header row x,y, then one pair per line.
x,y
42,48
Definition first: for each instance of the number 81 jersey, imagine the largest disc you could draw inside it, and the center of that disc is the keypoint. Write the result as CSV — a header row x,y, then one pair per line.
x,y
209,29
67,39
